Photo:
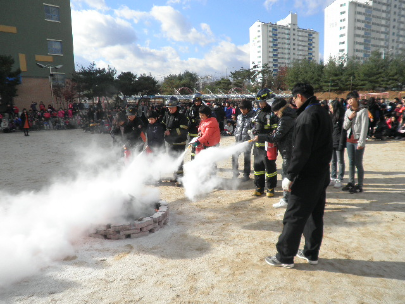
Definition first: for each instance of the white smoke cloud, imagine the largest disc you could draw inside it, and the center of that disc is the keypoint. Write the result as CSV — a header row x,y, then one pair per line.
x,y
199,174
39,228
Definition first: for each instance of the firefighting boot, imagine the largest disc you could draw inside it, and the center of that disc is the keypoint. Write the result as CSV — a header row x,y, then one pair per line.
x,y
258,192
270,192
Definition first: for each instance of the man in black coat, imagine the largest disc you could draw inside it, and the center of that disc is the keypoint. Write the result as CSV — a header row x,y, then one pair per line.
x,y
133,135
307,179
193,117
176,127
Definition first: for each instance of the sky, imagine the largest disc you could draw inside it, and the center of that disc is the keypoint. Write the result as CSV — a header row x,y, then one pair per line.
x,y
163,37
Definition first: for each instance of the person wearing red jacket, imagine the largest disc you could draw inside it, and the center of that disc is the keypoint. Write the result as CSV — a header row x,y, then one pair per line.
x,y
209,134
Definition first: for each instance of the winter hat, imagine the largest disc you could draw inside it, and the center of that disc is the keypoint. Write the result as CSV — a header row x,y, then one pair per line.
x,y
278,103
205,110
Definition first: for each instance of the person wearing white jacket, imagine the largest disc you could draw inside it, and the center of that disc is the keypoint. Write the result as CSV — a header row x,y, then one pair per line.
x,y
356,124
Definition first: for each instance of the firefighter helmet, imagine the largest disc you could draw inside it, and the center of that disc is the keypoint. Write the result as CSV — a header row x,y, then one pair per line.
x,y
264,94
132,111
172,102
197,97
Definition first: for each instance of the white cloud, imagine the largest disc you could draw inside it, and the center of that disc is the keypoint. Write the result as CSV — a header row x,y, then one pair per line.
x,y
177,28
311,7
269,3
92,29
96,4
112,40
173,24
127,13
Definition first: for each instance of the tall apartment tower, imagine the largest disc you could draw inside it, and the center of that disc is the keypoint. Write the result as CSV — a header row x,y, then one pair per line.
x,y
280,44
37,33
355,28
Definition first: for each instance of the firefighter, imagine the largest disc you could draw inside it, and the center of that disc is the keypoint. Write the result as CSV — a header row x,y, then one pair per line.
x,y
194,120
133,131
265,122
176,126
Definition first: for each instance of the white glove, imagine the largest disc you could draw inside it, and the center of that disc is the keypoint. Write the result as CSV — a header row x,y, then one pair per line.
x,y
250,133
286,184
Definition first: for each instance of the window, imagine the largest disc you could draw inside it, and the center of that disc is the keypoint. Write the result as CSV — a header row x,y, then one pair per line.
x,y
51,12
55,47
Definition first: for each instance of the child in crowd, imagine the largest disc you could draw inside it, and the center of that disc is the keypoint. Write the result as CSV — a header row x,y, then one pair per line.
x,y
228,129
154,133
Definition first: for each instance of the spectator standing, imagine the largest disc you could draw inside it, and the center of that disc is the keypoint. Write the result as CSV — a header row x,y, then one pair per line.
x,y
307,180
25,122
356,124
220,115
339,143
228,111
34,106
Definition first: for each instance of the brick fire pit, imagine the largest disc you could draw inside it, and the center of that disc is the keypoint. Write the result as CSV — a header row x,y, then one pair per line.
x,y
134,229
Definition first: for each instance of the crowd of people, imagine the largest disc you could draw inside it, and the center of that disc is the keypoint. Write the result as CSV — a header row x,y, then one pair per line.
x,y
311,136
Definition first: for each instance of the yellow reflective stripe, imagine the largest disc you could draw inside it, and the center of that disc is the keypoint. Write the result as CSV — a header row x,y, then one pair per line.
x,y
274,126
260,144
178,131
193,135
267,127
192,154
259,172
271,174
179,144
183,127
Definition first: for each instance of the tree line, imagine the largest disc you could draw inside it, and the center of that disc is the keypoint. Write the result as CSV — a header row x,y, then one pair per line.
x,y
379,72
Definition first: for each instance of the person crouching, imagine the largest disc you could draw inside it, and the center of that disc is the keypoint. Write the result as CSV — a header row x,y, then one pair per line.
x,y
209,134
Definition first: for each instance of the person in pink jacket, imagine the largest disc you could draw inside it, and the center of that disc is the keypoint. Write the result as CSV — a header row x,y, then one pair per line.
x,y
209,133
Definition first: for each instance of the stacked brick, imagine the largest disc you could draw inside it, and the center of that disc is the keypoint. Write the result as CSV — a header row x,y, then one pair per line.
x,y
134,229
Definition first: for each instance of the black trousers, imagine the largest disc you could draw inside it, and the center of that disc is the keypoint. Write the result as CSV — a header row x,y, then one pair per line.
x,y
304,215
265,169
176,151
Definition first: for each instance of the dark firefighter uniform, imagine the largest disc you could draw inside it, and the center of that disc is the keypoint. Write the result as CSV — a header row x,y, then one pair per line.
x,y
194,120
265,170
133,135
177,125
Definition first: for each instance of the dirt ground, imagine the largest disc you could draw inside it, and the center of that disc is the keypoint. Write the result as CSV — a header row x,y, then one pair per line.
x,y
213,249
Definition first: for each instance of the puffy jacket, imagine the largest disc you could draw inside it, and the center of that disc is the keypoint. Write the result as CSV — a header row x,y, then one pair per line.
x,y
210,134
244,123
358,126
283,134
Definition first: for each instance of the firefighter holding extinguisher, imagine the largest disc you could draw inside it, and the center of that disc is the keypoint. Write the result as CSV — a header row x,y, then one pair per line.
x,y
265,170
282,137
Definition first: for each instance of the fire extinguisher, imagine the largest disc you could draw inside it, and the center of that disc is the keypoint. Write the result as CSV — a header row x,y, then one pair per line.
x,y
271,151
127,154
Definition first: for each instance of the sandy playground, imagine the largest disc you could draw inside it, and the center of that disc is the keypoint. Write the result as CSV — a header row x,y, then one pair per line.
x,y
213,249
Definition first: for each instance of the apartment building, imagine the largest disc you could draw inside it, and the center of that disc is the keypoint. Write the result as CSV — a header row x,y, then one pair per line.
x,y
279,44
38,35
355,28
